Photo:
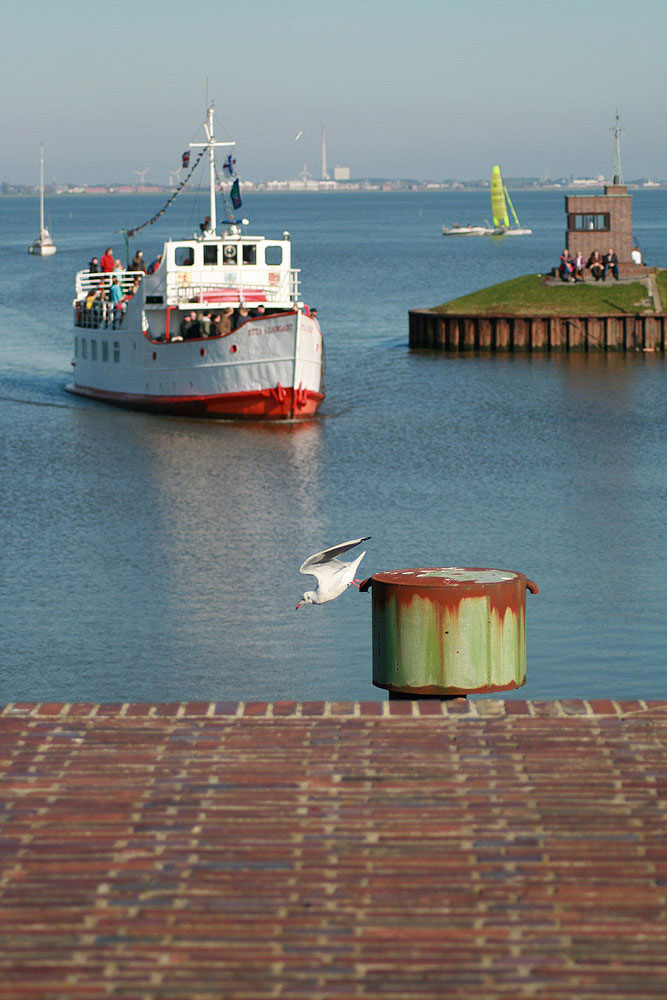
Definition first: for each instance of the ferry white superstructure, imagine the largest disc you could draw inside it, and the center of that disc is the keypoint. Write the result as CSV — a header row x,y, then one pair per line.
x,y
167,346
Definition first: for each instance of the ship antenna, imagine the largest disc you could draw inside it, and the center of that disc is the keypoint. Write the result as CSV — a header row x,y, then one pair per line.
x,y
617,177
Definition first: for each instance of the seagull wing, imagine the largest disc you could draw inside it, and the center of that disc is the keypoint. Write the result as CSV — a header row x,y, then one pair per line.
x,y
312,563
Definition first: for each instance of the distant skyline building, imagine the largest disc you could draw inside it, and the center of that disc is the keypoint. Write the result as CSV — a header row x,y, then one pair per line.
x,y
341,173
325,173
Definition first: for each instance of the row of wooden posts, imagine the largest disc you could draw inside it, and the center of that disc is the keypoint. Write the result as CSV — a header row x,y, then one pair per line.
x,y
619,332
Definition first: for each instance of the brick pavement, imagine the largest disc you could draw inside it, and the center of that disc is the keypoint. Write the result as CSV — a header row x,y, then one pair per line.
x,y
482,849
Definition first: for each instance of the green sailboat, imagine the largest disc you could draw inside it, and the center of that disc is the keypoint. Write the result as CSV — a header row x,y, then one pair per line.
x,y
500,200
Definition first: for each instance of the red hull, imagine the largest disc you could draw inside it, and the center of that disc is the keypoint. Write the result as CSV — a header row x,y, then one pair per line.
x,y
266,404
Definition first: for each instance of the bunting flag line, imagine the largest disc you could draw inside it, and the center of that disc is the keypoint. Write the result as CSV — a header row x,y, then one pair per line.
x,y
131,232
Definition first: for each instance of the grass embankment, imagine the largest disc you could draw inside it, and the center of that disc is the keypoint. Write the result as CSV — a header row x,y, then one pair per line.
x,y
528,296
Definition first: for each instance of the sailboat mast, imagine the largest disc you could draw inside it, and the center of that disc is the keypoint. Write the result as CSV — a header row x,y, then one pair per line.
x,y
41,189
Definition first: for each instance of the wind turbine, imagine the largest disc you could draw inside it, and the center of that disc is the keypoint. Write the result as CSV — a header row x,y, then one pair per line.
x,y
142,174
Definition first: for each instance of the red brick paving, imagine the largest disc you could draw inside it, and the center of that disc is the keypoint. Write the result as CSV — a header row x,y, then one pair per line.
x,y
482,849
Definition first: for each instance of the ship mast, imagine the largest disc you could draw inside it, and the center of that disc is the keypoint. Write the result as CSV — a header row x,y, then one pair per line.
x,y
211,145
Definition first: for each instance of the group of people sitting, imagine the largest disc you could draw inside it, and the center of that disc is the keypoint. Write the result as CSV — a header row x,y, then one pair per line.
x,y
208,324
573,267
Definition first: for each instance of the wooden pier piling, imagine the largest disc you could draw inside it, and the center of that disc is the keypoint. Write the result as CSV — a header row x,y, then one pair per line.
x,y
438,331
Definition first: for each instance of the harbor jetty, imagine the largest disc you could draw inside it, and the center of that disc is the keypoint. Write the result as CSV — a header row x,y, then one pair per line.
x,y
624,312
473,848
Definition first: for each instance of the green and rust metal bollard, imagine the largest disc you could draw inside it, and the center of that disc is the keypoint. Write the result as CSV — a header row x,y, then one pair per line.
x,y
449,631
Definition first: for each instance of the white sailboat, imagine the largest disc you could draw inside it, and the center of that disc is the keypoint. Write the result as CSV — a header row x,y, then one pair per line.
x,y
42,245
500,199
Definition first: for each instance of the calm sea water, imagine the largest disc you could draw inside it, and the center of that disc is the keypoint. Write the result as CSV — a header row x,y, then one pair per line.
x,y
154,558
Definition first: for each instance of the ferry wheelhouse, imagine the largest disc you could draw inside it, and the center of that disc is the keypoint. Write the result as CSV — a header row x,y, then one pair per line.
x,y
216,329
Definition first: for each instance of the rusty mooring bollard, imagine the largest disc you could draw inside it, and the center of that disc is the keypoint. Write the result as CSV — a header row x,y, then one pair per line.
x,y
449,630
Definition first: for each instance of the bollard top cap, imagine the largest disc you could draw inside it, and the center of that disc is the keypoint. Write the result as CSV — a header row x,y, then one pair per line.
x,y
447,576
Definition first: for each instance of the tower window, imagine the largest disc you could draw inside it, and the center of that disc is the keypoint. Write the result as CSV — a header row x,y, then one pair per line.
x,y
589,223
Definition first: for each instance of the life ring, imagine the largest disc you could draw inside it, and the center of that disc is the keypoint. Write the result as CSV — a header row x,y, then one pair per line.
x,y
229,253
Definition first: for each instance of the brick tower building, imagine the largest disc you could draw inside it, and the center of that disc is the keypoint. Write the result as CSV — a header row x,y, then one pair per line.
x,y
598,222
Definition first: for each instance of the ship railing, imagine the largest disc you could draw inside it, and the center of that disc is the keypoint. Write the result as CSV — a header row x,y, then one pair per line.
x,y
193,289
85,280
100,314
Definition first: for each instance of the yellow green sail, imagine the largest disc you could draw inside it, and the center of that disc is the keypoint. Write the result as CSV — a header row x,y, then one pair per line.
x,y
498,204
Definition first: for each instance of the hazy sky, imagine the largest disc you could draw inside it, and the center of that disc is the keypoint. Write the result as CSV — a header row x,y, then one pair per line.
x,y
424,89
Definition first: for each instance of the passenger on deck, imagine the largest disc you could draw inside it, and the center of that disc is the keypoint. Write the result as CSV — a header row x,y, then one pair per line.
x,y
94,265
595,265
156,263
259,311
313,313
93,307
107,262
242,314
565,268
118,267
115,302
206,224
190,327
138,262
610,263
205,325
223,324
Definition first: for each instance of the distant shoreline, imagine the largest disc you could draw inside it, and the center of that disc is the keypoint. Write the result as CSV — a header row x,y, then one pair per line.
x,y
390,187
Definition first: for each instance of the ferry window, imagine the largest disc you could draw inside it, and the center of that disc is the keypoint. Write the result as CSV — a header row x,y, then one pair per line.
x,y
595,222
229,254
84,347
210,253
105,350
116,350
273,255
249,253
93,350
184,256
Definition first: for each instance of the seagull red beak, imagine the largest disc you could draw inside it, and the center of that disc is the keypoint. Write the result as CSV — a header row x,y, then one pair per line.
x,y
299,605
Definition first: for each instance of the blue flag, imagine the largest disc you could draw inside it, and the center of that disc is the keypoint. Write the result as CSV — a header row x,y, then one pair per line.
x,y
228,166
235,194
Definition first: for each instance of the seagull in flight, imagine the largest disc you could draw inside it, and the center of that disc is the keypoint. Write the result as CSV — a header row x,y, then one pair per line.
x,y
298,135
333,575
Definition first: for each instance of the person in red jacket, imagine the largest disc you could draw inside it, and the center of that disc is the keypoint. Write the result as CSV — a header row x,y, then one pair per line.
x,y
107,262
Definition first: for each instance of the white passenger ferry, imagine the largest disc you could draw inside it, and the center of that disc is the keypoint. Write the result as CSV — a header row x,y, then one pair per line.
x,y
167,346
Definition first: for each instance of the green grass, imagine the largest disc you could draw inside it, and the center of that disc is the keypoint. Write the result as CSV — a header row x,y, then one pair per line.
x,y
528,295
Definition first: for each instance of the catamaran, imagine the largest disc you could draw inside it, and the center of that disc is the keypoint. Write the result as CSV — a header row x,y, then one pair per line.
x,y
500,200
42,245
216,328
